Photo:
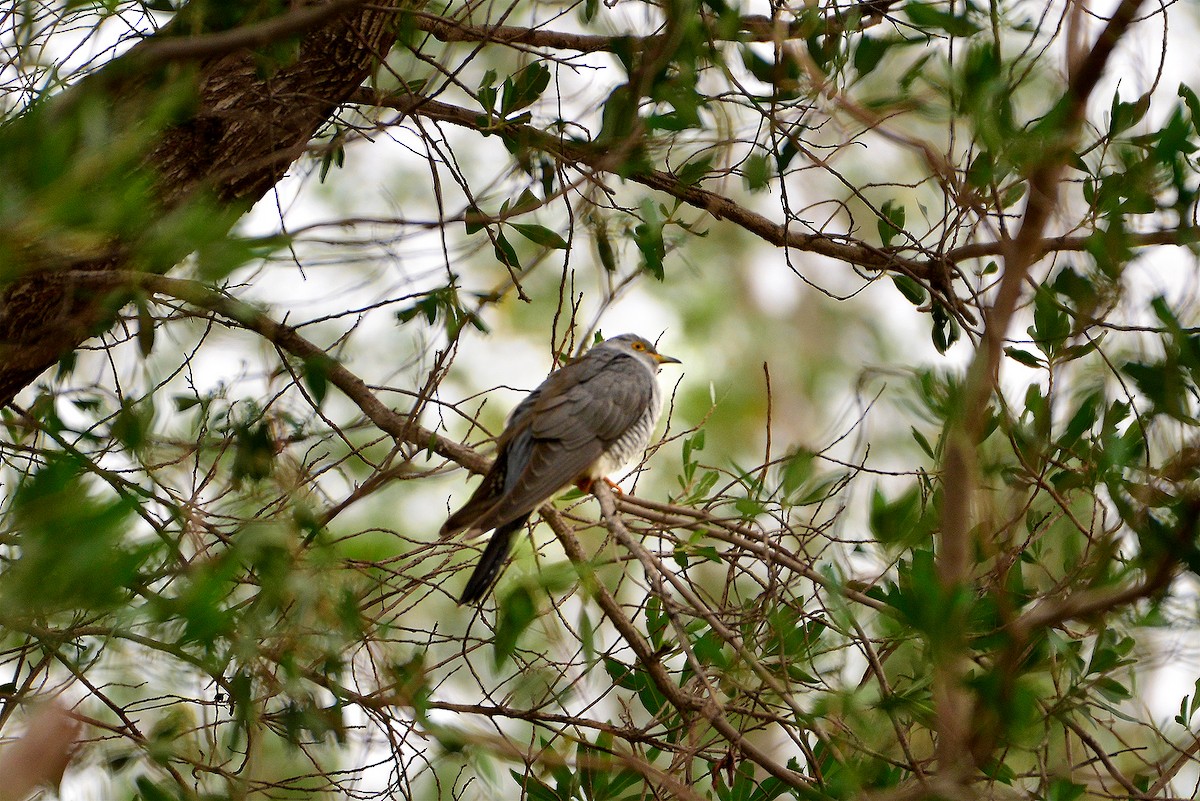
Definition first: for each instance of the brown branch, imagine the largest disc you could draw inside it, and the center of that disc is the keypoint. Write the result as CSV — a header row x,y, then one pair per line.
x,y
1026,247
723,208
403,429
242,133
1184,235
709,708
954,705
399,426
505,746
162,49
719,206
1089,602
658,574
1168,773
767,549
751,28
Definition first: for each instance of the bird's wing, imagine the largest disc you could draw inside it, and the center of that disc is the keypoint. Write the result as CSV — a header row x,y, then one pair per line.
x,y
483,498
603,402
579,414
511,453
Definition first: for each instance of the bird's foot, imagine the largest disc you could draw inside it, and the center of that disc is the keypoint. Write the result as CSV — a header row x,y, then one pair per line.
x,y
585,485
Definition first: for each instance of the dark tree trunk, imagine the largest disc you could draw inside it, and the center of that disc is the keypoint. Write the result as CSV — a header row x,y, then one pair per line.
x,y
244,130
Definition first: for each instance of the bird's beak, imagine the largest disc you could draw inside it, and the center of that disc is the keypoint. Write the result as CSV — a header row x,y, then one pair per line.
x,y
661,359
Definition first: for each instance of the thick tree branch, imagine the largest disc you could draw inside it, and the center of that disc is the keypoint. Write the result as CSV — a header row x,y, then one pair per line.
x,y
244,131
953,703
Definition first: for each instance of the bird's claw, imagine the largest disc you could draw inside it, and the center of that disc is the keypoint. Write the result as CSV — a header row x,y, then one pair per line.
x,y
585,485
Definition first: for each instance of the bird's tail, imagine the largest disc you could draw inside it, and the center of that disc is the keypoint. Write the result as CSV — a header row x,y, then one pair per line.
x,y
493,559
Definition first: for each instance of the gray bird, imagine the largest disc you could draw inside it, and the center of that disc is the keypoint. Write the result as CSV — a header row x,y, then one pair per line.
x,y
586,420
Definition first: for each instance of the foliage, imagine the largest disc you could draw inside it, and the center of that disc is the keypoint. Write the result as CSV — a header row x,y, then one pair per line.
x,y
924,518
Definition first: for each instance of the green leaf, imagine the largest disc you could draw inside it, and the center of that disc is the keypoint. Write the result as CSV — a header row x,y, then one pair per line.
x,y
1113,690
912,291
1064,790
132,424
671,122
540,235
605,252
702,487
1192,103
68,546
487,91
1050,322
1023,357
534,788
870,51
145,327
657,622
758,66
930,16
475,220
821,488
334,156
694,170
253,453
749,508
1164,385
524,88
756,172
796,470
1123,116
923,443
891,221
898,521
315,372
648,236
150,791
505,253
516,613
1013,194
1083,419
618,118
982,171
945,331
637,680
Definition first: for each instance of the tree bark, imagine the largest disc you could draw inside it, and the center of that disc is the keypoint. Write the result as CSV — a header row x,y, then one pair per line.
x,y
243,131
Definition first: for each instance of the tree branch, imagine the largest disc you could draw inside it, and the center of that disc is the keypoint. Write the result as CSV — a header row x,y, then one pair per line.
x,y
954,705
719,206
162,49
243,132
751,28
710,709
399,426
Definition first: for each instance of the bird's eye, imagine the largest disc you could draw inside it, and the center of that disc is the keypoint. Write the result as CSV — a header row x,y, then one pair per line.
x,y
638,346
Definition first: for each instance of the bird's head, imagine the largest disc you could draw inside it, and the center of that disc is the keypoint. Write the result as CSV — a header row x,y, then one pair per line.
x,y
639,347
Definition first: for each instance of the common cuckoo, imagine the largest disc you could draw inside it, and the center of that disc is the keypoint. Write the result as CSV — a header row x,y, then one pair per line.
x,y
586,420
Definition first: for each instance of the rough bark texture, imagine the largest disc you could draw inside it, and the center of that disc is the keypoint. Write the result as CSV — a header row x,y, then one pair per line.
x,y
244,132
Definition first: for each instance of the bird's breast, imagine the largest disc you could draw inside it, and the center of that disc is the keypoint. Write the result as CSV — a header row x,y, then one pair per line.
x,y
632,441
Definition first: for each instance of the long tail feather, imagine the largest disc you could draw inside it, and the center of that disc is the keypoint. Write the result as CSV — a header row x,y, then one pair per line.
x,y
493,559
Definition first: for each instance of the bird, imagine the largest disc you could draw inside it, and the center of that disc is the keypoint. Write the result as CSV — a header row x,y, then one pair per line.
x,y
584,422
